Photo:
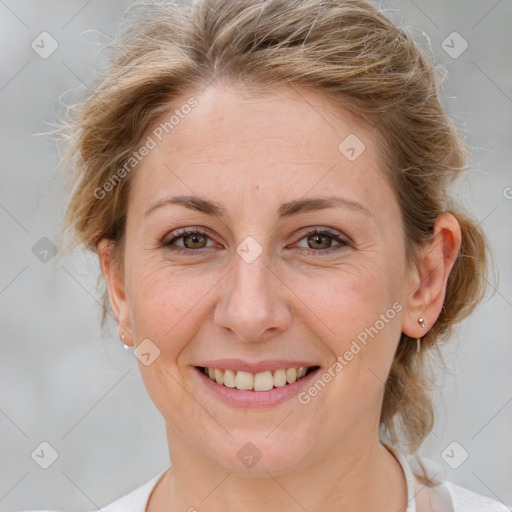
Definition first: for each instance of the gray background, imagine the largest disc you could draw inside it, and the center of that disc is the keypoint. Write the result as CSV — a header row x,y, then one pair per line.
x,y
65,382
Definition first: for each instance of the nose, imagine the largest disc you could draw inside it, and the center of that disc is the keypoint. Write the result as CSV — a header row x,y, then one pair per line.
x,y
253,305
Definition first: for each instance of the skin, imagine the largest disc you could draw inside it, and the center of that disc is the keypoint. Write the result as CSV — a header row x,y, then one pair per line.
x,y
251,155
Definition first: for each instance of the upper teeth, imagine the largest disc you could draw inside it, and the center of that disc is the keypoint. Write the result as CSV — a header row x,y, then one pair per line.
x,y
263,381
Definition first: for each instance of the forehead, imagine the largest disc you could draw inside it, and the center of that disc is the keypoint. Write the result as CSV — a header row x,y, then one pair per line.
x,y
288,116
286,141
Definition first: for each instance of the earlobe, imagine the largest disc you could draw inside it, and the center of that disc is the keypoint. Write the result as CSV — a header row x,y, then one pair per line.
x,y
114,281
429,280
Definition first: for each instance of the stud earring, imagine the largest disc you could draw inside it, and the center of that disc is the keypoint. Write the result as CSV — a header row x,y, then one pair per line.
x,y
126,347
423,324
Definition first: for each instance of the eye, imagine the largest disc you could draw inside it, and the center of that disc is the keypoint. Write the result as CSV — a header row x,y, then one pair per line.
x,y
320,240
194,240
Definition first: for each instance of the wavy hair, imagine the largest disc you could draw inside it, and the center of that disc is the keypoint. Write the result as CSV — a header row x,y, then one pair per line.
x,y
346,50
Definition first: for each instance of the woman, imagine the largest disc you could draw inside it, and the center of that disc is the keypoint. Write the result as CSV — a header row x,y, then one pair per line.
x,y
265,186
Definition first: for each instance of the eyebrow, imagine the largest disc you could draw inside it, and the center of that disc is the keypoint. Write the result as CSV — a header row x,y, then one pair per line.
x,y
287,209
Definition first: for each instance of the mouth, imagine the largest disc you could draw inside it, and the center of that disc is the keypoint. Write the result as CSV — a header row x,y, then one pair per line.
x,y
256,382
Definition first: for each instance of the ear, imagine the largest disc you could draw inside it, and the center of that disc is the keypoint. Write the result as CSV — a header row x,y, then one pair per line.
x,y
115,282
428,281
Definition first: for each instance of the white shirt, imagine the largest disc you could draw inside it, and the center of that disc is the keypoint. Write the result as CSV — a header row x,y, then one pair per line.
x,y
444,497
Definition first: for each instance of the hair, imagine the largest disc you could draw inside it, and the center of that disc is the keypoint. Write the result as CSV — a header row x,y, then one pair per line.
x,y
346,50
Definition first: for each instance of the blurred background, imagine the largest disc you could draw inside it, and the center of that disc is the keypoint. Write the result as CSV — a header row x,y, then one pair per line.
x,y
71,397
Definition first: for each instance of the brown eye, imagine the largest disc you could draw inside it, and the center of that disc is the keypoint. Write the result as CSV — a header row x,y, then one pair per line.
x,y
197,241
321,241
193,240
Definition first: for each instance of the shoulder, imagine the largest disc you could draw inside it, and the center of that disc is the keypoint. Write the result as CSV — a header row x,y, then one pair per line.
x,y
462,499
465,500
135,501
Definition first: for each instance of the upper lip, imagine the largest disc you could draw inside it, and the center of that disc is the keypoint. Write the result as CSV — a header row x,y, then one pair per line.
x,y
257,367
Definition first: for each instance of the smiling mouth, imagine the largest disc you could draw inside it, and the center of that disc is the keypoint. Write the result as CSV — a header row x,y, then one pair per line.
x,y
263,381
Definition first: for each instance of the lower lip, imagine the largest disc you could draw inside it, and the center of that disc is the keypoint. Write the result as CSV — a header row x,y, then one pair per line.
x,y
244,398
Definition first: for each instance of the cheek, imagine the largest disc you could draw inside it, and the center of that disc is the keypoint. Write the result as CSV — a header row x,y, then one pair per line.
x,y
346,299
166,303
355,312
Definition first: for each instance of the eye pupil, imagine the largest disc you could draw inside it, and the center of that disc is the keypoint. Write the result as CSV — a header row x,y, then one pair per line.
x,y
318,237
194,238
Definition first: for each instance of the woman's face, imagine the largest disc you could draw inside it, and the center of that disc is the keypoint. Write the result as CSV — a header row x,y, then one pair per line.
x,y
256,289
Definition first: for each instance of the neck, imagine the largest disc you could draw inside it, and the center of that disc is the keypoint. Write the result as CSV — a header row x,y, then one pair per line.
x,y
366,478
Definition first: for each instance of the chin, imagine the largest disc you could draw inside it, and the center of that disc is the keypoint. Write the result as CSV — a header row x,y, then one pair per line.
x,y
257,453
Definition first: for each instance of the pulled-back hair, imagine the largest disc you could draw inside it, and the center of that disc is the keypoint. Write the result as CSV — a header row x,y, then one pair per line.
x,y
346,50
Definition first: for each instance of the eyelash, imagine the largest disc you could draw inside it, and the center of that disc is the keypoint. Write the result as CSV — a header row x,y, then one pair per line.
x,y
342,242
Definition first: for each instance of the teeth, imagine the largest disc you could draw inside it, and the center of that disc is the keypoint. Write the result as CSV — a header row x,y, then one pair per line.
x,y
279,378
291,375
229,378
219,376
244,380
263,381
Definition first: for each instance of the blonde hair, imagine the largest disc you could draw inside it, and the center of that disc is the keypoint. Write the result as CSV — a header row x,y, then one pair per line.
x,y
348,51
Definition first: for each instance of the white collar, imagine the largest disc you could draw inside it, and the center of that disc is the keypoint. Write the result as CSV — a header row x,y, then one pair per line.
x,y
409,477
436,499
420,497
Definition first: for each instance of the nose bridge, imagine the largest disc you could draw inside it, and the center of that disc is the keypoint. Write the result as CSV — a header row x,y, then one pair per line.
x,y
251,275
251,304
